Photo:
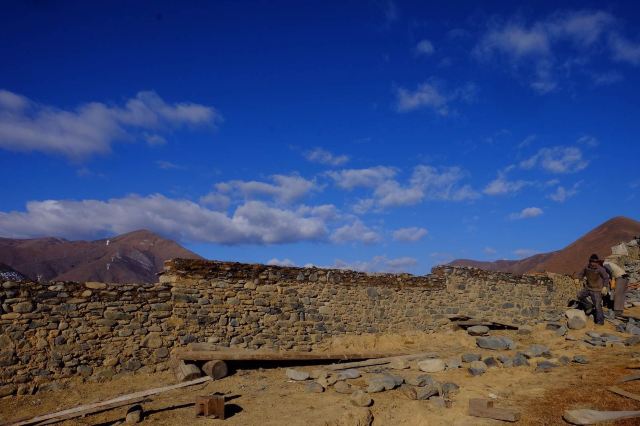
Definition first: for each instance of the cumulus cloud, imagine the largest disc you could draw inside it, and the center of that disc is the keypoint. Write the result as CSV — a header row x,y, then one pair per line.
x,y
425,183
379,264
490,251
502,185
561,194
322,156
433,95
558,159
542,50
355,232
283,262
253,222
168,165
424,47
92,128
284,188
527,213
411,234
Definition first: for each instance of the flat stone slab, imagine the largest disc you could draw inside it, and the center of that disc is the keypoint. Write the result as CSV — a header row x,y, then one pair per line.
x,y
495,343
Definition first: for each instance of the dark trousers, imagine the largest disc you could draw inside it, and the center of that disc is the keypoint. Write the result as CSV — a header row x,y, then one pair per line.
x,y
619,294
596,299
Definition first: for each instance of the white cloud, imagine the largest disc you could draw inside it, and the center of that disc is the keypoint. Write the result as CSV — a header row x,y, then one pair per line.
x,y
285,188
541,50
411,234
424,47
379,264
502,185
558,159
283,262
624,50
525,252
527,213
253,222
93,127
490,251
368,178
355,232
425,183
589,141
561,193
434,96
322,156
167,165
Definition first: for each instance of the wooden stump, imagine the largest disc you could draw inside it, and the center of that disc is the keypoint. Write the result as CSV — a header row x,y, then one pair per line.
x,y
215,369
211,406
184,371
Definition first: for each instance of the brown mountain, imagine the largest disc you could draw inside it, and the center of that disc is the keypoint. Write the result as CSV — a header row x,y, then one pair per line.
x,y
134,257
572,258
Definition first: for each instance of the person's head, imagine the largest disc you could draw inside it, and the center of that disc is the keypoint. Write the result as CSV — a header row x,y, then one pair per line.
x,y
593,259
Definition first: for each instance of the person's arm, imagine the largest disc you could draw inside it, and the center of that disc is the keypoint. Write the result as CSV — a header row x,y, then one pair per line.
x,y
605,276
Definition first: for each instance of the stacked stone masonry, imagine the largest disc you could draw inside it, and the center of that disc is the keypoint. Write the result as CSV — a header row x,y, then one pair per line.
x,y
53,331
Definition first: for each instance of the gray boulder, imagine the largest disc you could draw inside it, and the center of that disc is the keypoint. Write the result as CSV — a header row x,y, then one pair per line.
x,y
495,343
576,319
471,357
296,375
478,330
477,368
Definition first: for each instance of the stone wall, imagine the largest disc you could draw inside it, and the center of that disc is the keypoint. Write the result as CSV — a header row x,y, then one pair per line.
x,y
50,332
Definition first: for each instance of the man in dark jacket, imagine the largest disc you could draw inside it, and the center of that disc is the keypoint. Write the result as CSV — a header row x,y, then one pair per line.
x,y
596,285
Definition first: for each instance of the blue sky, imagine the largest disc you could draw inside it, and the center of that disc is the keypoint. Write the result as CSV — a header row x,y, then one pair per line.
x,y
378,135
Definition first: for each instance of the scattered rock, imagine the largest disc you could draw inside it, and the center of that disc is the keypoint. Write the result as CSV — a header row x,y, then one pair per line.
x,y
478,330
7,390
495,343
449,389
134,414
296,375
84,370
351,373
342,387
453,363
399,364
408,391
477,368
561,331
318,374
576,319
525,330
520,360
314,387
633,340
505,360
431,365
471,357
535,351
580,359
360,399
564,360
421,380
545,366
427,391
152,341
490,362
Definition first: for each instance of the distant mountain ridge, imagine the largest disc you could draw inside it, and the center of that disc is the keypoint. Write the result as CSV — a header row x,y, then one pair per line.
x,y
572,258
135,257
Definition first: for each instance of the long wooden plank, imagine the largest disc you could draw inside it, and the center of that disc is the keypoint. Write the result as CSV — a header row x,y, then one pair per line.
x,y
102,406
629,378
624,393
379,361
591,417
248,355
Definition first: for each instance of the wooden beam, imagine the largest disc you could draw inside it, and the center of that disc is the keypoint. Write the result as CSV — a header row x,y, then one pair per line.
x,y
260,355
591,417
629,378
624,393
479,407
379,361
96,407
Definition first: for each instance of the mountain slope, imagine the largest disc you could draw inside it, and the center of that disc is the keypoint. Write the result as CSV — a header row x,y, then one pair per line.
x,y
573,257
129,258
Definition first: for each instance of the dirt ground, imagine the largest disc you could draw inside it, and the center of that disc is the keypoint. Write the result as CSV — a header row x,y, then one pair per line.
x,y
264,396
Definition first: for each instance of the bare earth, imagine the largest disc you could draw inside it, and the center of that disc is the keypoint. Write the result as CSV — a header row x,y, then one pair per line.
x,y
265,397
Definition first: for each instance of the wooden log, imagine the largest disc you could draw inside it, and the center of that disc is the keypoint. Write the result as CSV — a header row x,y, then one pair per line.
x,y
216,369
97,407
379,361
591,417
260,355
629,378
184,371
479,407
624,393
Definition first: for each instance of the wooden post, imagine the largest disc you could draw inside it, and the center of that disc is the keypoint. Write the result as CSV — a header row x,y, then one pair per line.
x,y
211,406
215,369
